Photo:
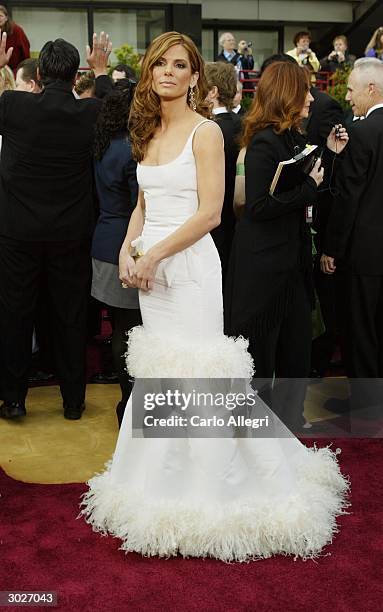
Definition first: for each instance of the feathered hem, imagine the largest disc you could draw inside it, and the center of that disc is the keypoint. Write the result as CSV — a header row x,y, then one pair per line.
x,y
151,356
300,524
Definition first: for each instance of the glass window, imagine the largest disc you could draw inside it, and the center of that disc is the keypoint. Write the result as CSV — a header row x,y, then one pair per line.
x,y
264,43
128,26
42,24
208,45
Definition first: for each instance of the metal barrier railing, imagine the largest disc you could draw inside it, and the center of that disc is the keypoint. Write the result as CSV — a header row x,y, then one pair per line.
x,y
324,80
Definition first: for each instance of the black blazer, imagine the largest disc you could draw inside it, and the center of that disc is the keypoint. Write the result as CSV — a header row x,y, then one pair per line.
x,y
355,228
117,190
272,242
46,182
231,126
103,85
325,112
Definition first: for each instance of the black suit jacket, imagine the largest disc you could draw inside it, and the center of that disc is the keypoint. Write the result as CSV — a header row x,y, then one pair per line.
x,y
46,181
103,86
272,242
355,228
231,126
325,112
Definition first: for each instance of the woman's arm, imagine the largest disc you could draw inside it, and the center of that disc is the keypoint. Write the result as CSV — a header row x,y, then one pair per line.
x,y
210,163
127,264
239,199
261,162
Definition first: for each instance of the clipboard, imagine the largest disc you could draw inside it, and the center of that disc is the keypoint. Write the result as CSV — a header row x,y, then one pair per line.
x,y
291,171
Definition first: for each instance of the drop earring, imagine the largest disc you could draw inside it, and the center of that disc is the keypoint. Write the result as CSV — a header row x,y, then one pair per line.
x,y
192,102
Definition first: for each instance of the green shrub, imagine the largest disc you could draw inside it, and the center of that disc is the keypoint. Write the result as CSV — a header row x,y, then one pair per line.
x,y
338,89
126,54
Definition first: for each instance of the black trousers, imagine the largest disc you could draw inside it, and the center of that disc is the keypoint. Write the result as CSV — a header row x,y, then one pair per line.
x,y
323,346
364,340
365,326
58,273
284,353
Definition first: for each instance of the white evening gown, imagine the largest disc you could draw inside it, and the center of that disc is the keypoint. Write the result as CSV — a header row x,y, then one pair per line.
x,y
234,499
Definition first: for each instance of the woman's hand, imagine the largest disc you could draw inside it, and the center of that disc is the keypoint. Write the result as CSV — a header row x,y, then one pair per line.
x,y
146,267
127,270
317,172
337,144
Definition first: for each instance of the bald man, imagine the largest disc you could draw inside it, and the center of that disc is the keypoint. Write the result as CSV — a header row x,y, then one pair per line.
x,y
354,237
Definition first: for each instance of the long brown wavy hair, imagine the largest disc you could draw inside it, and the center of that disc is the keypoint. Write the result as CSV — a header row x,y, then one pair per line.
x,y
145,115
278,101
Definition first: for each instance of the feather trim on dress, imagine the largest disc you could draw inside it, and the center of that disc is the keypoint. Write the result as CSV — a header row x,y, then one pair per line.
x,y
151,356
300,524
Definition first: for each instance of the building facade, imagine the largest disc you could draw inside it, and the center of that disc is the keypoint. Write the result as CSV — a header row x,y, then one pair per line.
x,y
268,24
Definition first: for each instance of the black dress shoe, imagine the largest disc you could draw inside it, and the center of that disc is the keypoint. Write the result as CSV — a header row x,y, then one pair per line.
x,y
12,410
40,376
104,378
73,412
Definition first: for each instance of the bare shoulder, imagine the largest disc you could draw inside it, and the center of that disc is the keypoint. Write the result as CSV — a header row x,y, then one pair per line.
x,y
208,135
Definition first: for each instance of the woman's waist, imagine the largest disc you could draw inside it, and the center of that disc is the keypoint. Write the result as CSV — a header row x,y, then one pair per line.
x,y
151,234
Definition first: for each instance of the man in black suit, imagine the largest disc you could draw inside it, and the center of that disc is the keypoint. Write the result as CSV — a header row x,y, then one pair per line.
x,y
355,233
222,83
325,112
46,221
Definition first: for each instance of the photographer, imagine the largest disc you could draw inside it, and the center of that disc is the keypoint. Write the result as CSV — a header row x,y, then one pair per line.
x,y
303,54
242,59
339,58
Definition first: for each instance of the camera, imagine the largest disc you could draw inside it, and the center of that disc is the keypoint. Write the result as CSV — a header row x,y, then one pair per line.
x,y
249,44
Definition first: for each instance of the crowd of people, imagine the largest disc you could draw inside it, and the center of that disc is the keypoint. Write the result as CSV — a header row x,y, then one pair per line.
x,y
270,247
156,196
339,57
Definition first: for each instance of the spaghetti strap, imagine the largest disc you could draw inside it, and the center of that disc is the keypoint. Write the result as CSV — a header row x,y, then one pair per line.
x,y
190,139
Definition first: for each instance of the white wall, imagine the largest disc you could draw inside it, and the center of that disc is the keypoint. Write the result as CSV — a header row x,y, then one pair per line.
x,y
45,24
274,10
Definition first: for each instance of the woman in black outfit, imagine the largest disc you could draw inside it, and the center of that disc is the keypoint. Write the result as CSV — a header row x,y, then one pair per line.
x,y
269,286
117,190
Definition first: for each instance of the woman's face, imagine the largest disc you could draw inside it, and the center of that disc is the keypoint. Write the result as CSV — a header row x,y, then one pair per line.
x,y
303,43
3,19
306,108
172,74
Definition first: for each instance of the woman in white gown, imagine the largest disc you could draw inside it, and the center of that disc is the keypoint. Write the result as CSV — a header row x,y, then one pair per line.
x,y
234,499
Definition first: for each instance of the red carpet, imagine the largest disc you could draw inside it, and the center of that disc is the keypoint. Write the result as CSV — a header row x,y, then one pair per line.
x,y
44,547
